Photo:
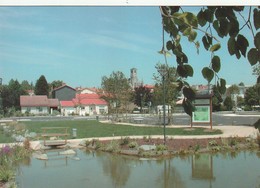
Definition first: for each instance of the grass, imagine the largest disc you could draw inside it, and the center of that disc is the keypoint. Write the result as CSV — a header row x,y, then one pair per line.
x,y
89,128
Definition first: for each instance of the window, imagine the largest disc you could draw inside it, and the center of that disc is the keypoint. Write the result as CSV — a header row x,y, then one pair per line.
x,y
39,109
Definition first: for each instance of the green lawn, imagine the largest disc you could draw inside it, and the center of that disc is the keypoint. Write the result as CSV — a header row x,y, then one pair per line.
x,y
87,129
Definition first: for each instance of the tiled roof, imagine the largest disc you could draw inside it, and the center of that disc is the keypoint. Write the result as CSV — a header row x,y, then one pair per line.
x,y
53,102
36,100
58,88
67,103
89,99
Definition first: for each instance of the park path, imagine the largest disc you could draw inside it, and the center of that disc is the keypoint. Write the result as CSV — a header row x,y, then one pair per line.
x,y
227,131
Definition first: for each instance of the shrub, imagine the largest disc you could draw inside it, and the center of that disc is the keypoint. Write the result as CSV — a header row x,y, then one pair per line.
x,y
97,144
124,141
213,143
161,147
133,145
197,147
26,144
7,173
232,141
113,146
87,143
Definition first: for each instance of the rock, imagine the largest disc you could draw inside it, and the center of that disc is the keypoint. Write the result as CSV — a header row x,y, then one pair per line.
x,y
76,158
68,152
147,147
82,143
30,135
19,138
36,145
41,156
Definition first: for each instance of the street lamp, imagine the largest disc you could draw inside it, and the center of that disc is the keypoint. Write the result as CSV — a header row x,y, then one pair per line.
x,y
141,109
163,72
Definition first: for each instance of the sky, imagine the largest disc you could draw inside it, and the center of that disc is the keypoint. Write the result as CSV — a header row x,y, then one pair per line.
x,y
81,44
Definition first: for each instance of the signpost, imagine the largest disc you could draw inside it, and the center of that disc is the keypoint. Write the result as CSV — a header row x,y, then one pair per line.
x,y
203,110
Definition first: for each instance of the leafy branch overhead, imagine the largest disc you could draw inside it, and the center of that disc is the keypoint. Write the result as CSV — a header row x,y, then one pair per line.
x,y
214,23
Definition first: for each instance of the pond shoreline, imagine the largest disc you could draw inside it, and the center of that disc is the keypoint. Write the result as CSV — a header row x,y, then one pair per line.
x,y
173,147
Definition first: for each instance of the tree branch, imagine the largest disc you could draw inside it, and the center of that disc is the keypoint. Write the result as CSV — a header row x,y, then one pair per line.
x,y
170,16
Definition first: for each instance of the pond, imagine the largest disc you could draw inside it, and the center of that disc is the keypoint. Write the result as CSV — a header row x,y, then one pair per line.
x,y
98,169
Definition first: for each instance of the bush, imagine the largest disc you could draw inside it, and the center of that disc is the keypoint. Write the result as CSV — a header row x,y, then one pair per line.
x,y
161,147
113,146
213,143
124,141
133,145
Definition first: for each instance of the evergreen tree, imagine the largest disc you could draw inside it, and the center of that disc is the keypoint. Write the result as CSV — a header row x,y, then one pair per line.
x,y
41,87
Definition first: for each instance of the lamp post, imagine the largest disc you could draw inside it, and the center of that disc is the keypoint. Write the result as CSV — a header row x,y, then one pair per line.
x,y
141,106
163,71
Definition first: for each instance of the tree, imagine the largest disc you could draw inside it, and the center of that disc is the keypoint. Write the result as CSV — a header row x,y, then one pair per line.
x,y
116,90
216,99
142,96
41,86
213,22
10,95
228,103
55,84
26,86
232,90
171,84
252,96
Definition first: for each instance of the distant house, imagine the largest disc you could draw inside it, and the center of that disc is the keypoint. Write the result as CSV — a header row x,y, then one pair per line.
x,y
67,108
90,104
38,104
64,93
87,90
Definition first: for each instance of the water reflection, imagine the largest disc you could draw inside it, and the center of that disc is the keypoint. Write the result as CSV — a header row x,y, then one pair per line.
x,y
202,167
170,177
98,169
117,168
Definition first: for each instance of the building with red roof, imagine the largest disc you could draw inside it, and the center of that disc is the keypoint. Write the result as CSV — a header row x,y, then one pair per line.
x,y
84,104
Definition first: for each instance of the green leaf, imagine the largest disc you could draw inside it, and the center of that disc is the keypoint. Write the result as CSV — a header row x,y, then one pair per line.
x,y
188,106
234,27
207,73
231,45
257,41
209,38
223,26
242,44
201,18
222,86
205,43
216,65
192,19
185,70
188,69
209,15
169,45
215,47
238,8
257,18
216,27
220,13
187,31
252,56
192,36
189,93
